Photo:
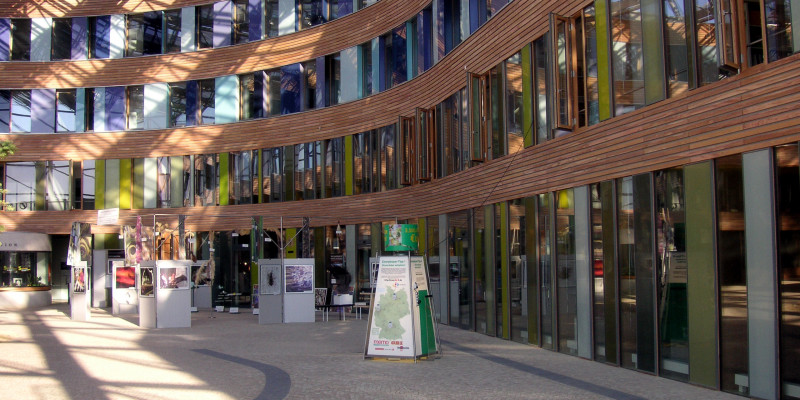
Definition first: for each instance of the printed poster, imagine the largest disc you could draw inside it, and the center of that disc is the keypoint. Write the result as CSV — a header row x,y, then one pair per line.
x,y
391,332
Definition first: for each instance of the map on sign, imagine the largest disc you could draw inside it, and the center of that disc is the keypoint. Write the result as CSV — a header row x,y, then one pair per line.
x,y
390,308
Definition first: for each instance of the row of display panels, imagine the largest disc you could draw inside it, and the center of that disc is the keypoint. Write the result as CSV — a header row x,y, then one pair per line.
x,y
169,277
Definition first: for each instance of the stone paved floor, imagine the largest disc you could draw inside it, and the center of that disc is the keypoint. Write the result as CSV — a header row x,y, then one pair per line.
x,y
230,356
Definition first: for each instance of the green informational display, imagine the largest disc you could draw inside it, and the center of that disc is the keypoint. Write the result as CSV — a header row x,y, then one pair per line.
x,y
400,237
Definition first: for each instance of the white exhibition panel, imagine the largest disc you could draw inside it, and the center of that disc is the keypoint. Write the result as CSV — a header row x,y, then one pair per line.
x,y
270,292
100,280
79,292
124,300
145,273
172,294
298,301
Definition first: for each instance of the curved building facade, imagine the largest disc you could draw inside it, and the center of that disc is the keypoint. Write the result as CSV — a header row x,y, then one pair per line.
x,y
619,181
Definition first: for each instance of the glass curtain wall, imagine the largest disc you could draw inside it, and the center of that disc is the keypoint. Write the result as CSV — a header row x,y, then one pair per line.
x,y
57,185
272,175
517,273
787,164
627,57
544,238
604,275
434,263
460,243
672,274
635,261
566,280
732,273
481,254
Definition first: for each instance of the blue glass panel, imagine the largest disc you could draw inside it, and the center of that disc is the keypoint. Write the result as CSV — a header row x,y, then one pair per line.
x,y
102,36
191,103
345,7
254,13
399,70
115,108
290,89
79,37
321,94
424,39
5,110
474,21
43,110
5,37
223,23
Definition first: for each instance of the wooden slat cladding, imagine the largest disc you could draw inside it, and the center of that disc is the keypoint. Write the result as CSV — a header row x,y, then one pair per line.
x,y
85,8
427,90
350,30
752,111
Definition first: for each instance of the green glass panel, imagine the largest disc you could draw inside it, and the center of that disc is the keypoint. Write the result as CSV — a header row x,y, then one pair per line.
x,y
224,179
100,184
176,182
653,51
603,59
349,165
702,299
138,183
527,96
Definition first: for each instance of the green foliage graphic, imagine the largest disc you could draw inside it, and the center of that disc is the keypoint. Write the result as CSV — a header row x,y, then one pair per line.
x,y
392,306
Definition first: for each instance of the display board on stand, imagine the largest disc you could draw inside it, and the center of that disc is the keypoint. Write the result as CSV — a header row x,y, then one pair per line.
x,y
286,290
145,275
79,292
401,321
173,297
124,299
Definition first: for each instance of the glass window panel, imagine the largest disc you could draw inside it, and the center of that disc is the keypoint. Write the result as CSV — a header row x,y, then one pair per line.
x,y
626,55
205,26
310,85
497,115
634,230
163,186
241,24
20,185
754,32
333,79
20,39
20,111
540,88
566,281
61,42
135,107
172,34
207,104
274,92
672,272
514,124
272,18
732,270
177,104
5,111
779,28
544,232
787,164
460,269
676,47
589,93
482,261
517,272
706,31
205,180
65,113
57,185
88,184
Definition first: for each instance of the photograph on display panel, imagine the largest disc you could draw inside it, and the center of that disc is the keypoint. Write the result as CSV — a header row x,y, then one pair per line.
x,y
79,280
270,279
146,281
173,278
125,277
299,278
